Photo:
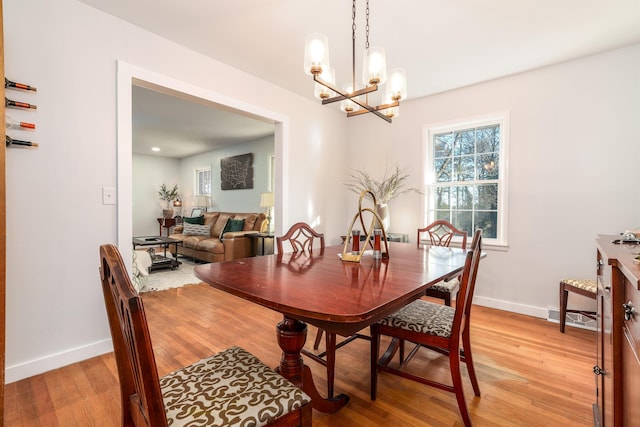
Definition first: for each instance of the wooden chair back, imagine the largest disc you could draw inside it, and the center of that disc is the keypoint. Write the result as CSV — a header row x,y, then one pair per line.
x,y
141,397
468,284
301,238
441,233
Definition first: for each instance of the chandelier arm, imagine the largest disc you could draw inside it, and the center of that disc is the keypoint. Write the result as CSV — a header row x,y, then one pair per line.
x,y
342,95
368,109
378,108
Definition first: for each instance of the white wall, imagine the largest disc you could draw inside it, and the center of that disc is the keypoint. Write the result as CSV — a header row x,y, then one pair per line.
x,y
574,155
55,217
149,173
244,200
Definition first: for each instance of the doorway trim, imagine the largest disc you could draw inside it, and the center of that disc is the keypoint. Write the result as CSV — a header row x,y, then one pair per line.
x,y
129,75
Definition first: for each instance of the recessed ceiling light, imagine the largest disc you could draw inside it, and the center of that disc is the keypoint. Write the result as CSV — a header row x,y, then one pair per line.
x,y
155,149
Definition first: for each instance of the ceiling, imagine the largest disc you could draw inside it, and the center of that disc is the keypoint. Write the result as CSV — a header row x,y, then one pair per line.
x,y
442,44
180,126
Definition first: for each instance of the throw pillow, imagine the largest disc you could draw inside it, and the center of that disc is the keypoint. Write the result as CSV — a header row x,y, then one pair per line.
x,y
232,225
194,219
196,230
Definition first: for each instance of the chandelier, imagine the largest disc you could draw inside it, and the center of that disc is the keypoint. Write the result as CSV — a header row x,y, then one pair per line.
x,y
374,74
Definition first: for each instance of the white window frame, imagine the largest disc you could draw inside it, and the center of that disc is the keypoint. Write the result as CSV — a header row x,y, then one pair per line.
x,y
499,118
196,181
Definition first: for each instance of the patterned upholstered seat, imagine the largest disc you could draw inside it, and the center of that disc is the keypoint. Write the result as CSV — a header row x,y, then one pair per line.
x,y
446,286
587,285
230,388
584,287
424,317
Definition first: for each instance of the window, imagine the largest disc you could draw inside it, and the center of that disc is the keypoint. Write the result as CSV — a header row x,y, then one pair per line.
x,y
203,182
466,176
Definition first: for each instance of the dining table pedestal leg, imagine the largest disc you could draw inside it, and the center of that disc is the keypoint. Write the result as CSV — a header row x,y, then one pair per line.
x,y
292,334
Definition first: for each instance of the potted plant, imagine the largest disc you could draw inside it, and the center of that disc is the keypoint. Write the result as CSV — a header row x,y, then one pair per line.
x,y
384,190
168,196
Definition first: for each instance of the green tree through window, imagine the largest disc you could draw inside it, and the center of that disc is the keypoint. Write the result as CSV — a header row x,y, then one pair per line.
x,y
465,166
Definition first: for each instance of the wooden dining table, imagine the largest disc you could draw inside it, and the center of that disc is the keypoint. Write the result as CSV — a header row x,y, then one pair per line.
x,y
338,296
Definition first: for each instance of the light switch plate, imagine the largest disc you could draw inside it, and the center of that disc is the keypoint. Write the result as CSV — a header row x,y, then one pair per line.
x,y
108,195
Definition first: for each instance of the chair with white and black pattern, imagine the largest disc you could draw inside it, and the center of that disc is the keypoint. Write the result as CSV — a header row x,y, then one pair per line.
x,y
433,326
230,388
442,233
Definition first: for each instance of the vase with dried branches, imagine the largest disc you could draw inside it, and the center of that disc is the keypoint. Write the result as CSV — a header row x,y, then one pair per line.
x,y
391,186
167,196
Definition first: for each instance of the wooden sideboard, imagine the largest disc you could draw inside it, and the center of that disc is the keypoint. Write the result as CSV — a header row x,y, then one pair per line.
x,y
618,356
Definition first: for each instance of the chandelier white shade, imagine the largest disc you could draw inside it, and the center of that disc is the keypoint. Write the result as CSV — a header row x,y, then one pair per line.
x,y
316,54
355,101
328,75
374,67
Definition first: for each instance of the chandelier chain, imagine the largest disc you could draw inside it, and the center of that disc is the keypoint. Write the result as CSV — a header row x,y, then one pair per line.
x,y
353,20
353,46
366,46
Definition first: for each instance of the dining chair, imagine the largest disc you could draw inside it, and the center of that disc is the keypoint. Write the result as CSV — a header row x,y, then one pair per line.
x,y
441,233
433,326
302,237
228,388
585,287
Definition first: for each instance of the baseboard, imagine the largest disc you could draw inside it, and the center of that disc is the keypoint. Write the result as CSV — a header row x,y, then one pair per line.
x,y
528,310
34,367
549,313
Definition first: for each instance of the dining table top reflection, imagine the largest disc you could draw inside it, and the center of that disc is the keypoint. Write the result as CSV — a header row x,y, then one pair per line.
x,y
338,296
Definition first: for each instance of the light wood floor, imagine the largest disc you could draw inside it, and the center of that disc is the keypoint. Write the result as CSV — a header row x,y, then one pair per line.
x,y
530,374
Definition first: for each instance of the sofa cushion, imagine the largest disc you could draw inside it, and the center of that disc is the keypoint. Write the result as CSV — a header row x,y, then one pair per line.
x,y
210,218
220,223
232,225
194,220
196,230
249,220
211,245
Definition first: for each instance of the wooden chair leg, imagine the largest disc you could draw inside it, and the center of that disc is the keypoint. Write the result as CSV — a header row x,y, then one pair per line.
x,y
456,377
375,349
468,358
331,362
316,344
447,299
564,295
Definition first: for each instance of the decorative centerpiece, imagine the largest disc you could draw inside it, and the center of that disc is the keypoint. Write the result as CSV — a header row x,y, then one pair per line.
x,y
167,196
380,192
379,234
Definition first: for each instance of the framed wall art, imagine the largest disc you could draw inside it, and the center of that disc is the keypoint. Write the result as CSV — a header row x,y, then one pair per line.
x,y
236,172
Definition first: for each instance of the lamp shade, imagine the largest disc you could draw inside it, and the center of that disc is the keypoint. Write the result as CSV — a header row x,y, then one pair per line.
x,y
374,68
397,84
202,201
266,200
348,105
316,53
328,75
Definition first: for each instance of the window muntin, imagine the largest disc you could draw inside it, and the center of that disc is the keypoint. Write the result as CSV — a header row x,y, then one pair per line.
x,y
466,176
202,182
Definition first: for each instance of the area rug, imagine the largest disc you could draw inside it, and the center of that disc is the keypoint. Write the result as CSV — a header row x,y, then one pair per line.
x,y
168,279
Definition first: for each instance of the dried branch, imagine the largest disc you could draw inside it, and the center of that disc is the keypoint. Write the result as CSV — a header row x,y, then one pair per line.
x,y
385,190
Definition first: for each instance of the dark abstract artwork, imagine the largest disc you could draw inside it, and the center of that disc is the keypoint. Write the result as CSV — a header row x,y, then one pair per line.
x,y
236,172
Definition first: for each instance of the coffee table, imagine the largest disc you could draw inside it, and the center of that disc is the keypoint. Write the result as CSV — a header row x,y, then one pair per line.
x,y
159,262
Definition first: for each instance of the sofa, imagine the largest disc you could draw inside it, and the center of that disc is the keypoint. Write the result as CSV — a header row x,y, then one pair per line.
x,y
203,238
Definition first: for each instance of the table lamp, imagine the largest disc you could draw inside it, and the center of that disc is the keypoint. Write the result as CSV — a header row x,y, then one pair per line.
x,y
267,201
